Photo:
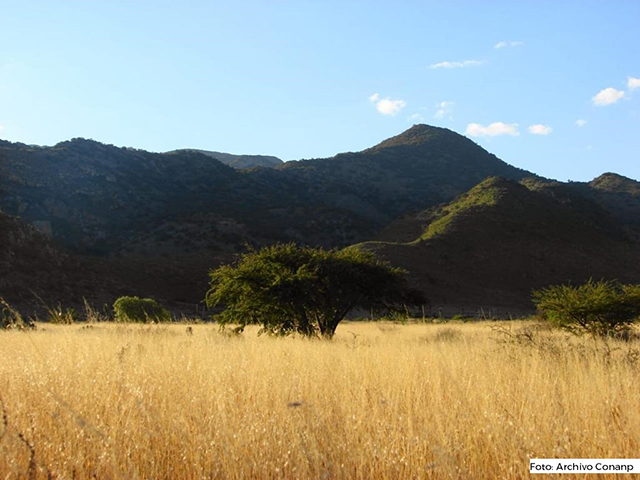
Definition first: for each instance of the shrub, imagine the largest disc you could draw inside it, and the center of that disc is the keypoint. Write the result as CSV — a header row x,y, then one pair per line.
x,y
9,317
603,308
141,310
61,316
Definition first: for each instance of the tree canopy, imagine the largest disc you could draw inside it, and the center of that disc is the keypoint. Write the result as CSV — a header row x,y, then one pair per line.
x,y
291,289
600,308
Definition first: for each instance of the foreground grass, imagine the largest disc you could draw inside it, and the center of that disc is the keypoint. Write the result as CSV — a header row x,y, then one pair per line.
x,y
380,401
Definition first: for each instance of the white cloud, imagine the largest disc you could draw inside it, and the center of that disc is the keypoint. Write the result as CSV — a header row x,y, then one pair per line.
x,y
633,83
1,127
386,106
607,96
416,117
493,130
466,63
507,44
445,109
581,122
540,129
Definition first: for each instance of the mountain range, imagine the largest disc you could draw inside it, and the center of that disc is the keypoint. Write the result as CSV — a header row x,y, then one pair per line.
x,y
473,231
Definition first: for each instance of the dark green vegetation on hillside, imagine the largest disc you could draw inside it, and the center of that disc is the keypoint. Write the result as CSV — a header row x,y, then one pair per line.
x,y
238,161
141,223
24,254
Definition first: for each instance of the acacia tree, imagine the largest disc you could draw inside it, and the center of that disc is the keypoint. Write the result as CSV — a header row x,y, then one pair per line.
x,y
291,289
600,308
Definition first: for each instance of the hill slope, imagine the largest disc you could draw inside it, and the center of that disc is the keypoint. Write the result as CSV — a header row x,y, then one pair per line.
x,y
492,245
421,167
29,262
619,195
238,161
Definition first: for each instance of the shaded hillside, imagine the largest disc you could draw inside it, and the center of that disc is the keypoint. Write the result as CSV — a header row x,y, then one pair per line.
x,y
421,167
21,245
28,261
618,195
492,245
100,199
33,270
238,161
621,196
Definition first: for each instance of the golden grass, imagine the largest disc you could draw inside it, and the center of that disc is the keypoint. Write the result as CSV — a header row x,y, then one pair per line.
x,y
380,401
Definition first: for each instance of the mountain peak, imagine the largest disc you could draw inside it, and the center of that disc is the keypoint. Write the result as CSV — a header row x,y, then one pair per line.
x,y
417,135
613,182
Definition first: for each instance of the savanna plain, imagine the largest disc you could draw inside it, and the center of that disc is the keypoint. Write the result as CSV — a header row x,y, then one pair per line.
x,y
382,400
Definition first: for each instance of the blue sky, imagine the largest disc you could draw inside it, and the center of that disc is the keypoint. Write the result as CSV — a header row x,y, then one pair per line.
x,y
549,86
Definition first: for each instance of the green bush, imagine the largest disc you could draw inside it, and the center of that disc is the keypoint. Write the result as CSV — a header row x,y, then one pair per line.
x,y
141,310
603,308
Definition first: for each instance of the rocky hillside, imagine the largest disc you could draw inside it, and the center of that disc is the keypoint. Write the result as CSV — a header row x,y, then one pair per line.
x,y
239,161
29,262
104,200
492,245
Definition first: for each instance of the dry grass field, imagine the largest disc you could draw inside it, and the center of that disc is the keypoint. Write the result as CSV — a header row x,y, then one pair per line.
x,y
381,401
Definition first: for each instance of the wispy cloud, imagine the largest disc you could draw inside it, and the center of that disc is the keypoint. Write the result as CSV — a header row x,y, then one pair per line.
x,y
633,83
465,64
387,106
607,96
507,44
444,109
1,127
540,129
581,122
493,130
415,117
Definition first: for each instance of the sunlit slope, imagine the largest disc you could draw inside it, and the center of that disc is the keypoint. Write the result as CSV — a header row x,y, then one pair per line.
x,y
492,245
